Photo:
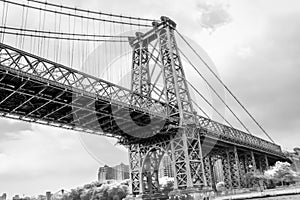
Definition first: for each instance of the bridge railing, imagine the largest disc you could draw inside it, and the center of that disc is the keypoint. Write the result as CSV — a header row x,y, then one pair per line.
x,y
227,133
43,69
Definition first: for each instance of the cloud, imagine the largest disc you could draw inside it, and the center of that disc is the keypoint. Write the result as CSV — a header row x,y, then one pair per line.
x,y
11,129
213,14
268,79
47,159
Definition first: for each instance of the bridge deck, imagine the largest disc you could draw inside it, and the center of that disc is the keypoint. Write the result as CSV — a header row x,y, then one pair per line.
x,y
37,90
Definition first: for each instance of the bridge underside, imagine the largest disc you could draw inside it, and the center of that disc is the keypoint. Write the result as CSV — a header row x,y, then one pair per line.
x,y
30,99
37,90
198,164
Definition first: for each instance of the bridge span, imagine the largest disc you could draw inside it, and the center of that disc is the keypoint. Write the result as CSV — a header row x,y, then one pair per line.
x,y
149,120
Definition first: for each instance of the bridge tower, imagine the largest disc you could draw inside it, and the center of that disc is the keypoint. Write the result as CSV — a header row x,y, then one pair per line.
x,y
157,49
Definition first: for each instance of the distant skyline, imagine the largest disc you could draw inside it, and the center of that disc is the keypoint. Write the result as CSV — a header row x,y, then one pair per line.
x,y
255,47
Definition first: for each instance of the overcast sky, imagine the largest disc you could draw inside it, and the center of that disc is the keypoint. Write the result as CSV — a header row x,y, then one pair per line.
x,y
255,47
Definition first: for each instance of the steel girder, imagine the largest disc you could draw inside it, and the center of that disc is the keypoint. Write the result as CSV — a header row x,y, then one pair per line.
x,y
37,90
231,167
185,145
140,76
236,163
187,159
208,171
221,132
263,162
150,171
61,86
243,171
135,173
72,79
177,93
226,171
144,166
250,166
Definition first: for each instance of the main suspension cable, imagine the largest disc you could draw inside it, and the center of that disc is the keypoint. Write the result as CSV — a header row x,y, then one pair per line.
x,y
206,115
62,38
92,12
201,95
61,33
223,84
76,15
216,93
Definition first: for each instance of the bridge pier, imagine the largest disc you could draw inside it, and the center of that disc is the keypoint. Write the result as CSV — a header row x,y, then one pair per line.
x,y
263,162
194,174
188,165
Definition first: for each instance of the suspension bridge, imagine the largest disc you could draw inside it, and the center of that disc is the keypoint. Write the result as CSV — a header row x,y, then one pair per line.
x,y
43,46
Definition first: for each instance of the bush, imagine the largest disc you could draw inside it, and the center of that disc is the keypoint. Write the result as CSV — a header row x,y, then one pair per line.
x,y
220,186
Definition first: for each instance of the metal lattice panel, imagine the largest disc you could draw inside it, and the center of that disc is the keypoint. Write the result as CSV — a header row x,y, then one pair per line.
x,y
228,134
178,97
187,157
144,166
37,90
208,171
234,168
135,161
243,171
140,78
226,171
263,162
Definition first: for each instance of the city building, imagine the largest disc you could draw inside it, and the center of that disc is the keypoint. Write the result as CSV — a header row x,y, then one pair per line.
x,y
17,197
121,172
3,197
117,173
218,171
165,169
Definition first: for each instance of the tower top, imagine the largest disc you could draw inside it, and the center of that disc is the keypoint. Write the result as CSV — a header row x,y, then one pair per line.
x,y
166,21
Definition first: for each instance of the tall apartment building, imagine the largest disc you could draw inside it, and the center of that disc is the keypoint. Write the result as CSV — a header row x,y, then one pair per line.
x,y
165,169
116,173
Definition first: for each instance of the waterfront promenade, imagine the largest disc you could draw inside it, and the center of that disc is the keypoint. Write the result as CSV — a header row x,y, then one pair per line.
x,y
292,193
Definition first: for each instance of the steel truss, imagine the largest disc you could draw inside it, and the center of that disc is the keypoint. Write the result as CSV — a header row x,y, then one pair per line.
x,y
38,90
263,163
191,169
144,166
184,146
140,77
236,164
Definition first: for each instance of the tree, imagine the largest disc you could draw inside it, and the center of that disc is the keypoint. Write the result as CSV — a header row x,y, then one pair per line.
x,y
282,172
255,179
75,194
297,150
166,184
220,186
168,187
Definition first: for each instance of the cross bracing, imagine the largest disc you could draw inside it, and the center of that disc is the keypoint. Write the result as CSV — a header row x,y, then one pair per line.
x,y
38,90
